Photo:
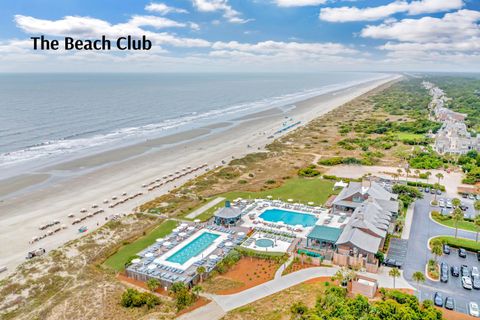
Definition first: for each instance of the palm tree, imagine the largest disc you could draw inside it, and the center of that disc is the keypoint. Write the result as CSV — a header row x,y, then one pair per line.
x,y
417,173
399,171
476,221
153,284
395,176
394,273
428,174
418,277
302,255
201,270
407,172
436,248
476,206
439,177
196,290
457,216
456,202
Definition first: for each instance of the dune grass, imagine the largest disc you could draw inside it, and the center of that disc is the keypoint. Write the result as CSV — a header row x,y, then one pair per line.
x,y
117,261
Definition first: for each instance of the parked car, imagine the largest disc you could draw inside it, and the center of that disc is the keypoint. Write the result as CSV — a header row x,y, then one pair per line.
x,y
446,249
471,197
464,195
427,190
449,204
432,191
392,263
476,282
443,272
467,283
473,309
455,271
462,253
464,271
463,207
439,192
438,299
420,189
441,204
478,255
475,272
449,303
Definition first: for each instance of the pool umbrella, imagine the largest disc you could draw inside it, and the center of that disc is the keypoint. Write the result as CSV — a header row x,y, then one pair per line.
x,y
196,220
241,233
175,230
159,240
213,257
182,234
311,203
269,197
152,266
228,244
149,255
190,228
136,260
299,226
290,200
167,243
184,225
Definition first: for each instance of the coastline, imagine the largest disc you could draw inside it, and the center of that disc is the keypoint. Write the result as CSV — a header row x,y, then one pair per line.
x,y
88,180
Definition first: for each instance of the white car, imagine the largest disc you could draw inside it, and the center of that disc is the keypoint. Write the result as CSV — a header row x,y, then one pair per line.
x,y
441,204
475,272
473,309
467,283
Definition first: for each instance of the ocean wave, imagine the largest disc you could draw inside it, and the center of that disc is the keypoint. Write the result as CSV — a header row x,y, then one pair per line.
x,y
75,144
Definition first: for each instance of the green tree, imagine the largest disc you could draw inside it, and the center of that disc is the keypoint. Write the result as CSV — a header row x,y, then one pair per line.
x,y
196,290
417,174
418,277
428,174
394,273
407,172
456,202
457,216
436,248
201,270
476,206
439,177
153,284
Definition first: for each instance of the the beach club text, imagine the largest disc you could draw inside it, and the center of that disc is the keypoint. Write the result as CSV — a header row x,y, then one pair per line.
x,y
103,44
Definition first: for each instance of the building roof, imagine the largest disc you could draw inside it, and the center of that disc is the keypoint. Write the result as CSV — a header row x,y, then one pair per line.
x,y
228,213
359,239
373,189
325,233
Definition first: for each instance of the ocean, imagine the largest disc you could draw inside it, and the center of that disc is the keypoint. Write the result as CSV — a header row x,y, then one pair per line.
x,y
50,117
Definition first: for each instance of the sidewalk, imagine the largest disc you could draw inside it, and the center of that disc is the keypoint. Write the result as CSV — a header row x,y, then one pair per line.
x,y
408,222
202,209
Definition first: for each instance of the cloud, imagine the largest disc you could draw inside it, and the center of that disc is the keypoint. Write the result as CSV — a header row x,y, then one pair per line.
x,y
453,26
349,14
299,3
163,9
155,22
229,13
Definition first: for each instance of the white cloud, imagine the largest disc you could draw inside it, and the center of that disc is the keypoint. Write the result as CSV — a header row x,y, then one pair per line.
x,y
229,13
457,25
163,9
349,14
155,22
299,3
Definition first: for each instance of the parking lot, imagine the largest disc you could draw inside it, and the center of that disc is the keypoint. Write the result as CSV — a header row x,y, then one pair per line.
x,y
418,254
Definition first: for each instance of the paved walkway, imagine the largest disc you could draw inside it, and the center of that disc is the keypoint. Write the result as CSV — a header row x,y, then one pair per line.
x,y
278,273
408,222
221,304
202,209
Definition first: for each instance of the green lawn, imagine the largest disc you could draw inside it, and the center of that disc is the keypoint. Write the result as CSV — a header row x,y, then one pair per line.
x,y
117,261
468,244
408,136
465,225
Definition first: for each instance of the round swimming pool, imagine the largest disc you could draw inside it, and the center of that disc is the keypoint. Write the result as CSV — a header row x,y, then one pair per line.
x,y
264,243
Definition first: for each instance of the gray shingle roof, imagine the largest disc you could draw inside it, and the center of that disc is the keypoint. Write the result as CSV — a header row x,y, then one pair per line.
x,y
228,212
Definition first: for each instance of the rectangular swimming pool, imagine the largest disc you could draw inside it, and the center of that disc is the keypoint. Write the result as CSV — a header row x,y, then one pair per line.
x,y
289,217
194,248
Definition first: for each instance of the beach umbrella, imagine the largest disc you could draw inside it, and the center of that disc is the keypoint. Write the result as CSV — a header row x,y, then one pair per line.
x,y
196,220
213,257
182,234
228,244
190,228
167,243
184,225
311,203
175,230
151,266
290,200
241,233
149,255
136,260
159,240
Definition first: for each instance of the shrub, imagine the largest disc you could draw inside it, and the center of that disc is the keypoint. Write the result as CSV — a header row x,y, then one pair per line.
x,y
132,298
331,161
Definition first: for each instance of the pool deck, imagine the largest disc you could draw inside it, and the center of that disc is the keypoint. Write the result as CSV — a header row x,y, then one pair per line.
x,y
253,220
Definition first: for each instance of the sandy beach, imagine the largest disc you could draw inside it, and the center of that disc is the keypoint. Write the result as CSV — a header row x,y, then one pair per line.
x,y
36,198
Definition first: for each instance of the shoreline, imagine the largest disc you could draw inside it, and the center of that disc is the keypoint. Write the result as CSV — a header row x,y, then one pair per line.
x,y
109,174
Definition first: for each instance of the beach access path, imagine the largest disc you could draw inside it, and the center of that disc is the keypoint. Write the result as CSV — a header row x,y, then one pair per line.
x,y
202,209
227,303
82,182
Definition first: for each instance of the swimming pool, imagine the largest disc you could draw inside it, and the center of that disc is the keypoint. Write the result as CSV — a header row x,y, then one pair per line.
x,y
194,248
264,243
289,217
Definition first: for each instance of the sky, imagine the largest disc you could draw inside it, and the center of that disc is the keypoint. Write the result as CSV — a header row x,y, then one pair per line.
x,y
246,35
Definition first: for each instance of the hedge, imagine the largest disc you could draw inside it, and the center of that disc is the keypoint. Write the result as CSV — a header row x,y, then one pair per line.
x,y
467,244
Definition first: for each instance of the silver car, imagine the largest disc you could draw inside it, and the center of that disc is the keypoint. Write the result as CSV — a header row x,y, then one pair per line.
x,y
473,309
467,283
